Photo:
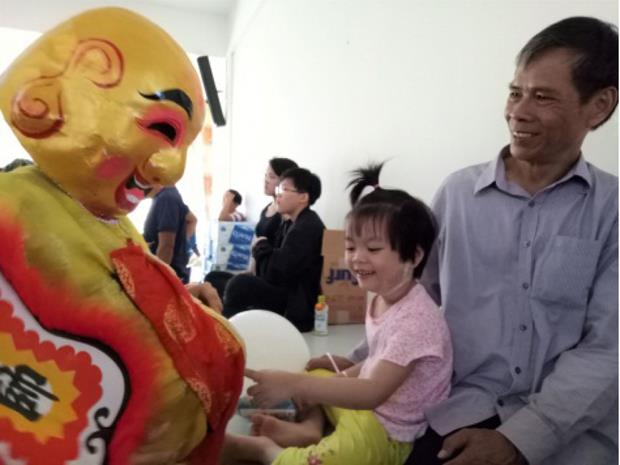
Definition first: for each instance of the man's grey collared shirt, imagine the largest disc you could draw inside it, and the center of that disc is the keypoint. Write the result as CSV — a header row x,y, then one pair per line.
x,y
529,284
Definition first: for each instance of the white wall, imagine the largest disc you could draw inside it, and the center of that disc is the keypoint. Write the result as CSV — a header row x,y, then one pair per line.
x,y
336,83
197,31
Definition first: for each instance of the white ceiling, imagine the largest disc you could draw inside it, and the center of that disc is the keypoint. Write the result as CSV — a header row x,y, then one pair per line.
x,y
215,7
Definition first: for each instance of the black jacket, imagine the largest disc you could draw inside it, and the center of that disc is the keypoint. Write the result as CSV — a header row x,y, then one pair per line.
x,y
296,266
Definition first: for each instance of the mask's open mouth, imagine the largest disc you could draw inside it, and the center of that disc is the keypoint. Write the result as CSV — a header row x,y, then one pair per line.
x,y
132,192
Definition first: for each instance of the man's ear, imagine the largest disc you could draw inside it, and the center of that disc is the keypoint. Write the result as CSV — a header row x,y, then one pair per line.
x,y
305,197
99,61
602,104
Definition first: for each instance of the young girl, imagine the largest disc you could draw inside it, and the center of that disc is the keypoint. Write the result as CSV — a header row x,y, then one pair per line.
x,y
375,407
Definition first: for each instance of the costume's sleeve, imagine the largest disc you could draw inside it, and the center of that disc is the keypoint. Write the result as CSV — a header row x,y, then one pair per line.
x,y
300,249
169,213
583,386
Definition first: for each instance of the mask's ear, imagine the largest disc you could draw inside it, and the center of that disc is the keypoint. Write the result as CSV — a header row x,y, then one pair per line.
x,y
36,111
97,60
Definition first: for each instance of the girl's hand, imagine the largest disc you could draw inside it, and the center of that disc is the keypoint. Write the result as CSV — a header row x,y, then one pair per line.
x,y
271,386
323,362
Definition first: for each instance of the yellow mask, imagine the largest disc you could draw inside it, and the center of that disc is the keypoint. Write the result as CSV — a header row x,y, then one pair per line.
x,y
106,104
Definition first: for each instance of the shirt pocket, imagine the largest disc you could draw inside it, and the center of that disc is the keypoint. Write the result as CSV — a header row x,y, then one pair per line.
x,y
566,270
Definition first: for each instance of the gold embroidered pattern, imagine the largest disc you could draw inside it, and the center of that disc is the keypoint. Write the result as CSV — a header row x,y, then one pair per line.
x,y
178,322
228,342
202,391
125,278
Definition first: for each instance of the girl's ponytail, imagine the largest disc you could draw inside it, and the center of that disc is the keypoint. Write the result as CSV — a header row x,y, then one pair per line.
x,y
362,178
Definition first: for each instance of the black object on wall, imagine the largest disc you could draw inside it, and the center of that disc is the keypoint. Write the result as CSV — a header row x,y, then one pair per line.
x,y
211,91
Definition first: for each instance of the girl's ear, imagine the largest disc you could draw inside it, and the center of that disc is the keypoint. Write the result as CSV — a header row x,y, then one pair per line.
x,y
419,255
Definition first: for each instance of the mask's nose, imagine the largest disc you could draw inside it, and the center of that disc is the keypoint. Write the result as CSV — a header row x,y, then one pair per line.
x,y
165,167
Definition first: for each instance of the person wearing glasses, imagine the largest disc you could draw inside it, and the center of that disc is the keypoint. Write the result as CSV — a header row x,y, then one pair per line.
x,y
290,284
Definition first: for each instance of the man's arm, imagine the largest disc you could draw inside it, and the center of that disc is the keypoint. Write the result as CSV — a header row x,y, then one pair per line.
x,y
165,246
190,224
583,385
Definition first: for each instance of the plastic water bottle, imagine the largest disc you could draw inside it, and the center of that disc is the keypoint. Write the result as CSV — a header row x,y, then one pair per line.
x,y
321,315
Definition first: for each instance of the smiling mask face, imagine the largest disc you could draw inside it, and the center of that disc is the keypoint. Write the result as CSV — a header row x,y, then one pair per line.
x,y
107,105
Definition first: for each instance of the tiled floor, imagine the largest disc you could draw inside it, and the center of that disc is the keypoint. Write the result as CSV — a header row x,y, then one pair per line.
x,y
340,340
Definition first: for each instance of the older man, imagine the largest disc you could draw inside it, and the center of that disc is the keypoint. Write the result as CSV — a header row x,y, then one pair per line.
x,y
526,267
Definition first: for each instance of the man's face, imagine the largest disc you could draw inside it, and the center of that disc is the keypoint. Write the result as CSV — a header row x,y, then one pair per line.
x,y
288,199
546,120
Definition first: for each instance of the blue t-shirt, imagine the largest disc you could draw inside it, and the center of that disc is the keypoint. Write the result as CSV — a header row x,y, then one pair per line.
x,y
167,214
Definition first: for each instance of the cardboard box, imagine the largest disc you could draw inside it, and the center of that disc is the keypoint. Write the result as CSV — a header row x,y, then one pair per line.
x,y
229,246
346,301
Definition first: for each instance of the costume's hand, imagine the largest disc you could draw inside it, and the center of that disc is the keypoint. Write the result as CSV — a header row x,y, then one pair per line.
x,y
323,362
271,386
473,446
207,294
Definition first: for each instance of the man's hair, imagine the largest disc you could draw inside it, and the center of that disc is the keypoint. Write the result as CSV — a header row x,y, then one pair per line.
x,y
237,199
305,182
280,165
595,44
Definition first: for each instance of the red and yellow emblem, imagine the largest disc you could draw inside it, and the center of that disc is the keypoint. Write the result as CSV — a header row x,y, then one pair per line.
x,y
46,392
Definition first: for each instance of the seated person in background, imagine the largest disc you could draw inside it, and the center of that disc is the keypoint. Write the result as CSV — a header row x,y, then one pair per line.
x,y
291,281
269,222
232,200
166,227
271,225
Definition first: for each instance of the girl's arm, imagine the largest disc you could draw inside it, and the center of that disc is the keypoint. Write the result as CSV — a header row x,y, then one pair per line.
x,y
354,371
347,392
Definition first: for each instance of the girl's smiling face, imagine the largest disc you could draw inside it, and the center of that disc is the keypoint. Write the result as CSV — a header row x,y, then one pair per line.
x,y
375,264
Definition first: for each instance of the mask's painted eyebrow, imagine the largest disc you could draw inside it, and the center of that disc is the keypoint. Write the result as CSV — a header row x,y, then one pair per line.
x,y
174,95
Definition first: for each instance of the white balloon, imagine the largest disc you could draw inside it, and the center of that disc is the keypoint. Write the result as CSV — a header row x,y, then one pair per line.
x,y
271,342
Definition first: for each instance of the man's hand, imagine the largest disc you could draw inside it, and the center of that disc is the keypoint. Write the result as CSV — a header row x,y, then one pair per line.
x,y
472,446
207,294
271,386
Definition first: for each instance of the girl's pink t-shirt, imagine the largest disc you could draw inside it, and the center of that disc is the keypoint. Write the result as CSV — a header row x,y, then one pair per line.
x,y
412,330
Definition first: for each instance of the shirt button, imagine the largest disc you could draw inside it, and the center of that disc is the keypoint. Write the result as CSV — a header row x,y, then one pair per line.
x,y
523,327
517,370
531,203
525,286
528,243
